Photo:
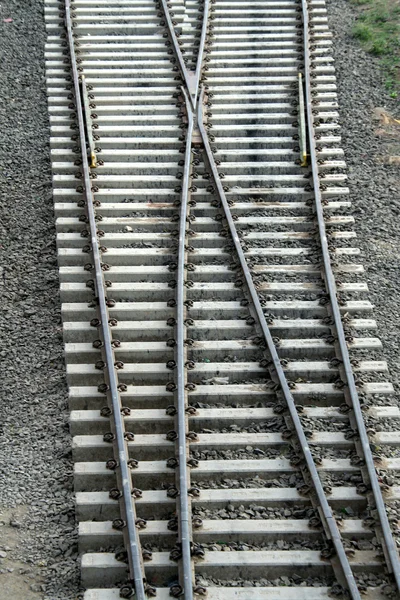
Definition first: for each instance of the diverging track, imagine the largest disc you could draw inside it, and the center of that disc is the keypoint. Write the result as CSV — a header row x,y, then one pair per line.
x,y
224,377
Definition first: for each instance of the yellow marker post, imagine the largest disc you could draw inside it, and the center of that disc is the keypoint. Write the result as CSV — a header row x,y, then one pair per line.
x,y
88,123
302,124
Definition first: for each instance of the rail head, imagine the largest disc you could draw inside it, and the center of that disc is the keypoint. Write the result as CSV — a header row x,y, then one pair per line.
x,y
184,515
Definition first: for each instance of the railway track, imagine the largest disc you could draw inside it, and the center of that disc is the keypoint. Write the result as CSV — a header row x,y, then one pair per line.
x,y
228,401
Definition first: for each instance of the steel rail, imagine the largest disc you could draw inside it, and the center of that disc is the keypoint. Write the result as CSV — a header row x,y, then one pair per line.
x,y
181,394
200,55
174,40
191,78
390,551
136,570
334,533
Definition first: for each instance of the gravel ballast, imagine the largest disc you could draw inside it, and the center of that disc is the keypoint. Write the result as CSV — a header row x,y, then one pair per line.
x,y
38,551
38,548
374,185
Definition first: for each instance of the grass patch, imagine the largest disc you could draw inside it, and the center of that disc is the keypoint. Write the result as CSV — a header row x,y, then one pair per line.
x,y
378,29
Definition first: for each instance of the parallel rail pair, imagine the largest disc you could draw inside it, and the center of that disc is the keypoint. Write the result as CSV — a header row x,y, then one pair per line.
x,y
196,133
